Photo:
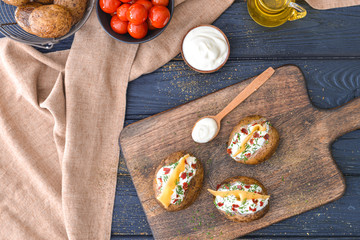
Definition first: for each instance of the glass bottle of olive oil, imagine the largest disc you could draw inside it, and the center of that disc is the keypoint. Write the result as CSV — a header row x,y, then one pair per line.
x,y
273,13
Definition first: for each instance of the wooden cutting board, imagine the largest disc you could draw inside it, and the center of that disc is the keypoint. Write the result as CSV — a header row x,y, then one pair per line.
x,y
299,177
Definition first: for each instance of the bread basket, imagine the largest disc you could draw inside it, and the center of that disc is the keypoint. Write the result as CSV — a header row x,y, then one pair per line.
x,y
10,29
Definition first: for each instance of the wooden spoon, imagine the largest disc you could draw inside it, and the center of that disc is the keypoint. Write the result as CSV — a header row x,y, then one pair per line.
x,y
244,94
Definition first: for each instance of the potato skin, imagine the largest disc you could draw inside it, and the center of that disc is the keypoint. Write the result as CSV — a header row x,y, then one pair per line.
x,y
76,7
22,14
50,21
16,2
246,217
44,1
267,150
194,187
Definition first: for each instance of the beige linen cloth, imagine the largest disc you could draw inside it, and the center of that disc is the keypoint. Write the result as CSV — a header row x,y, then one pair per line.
x,y
60,119
328,4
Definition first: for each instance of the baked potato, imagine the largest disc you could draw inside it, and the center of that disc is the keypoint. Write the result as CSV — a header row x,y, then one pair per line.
x,y
50,21
22,14
44,1
253,140
241,199
76,7
178,181
16,2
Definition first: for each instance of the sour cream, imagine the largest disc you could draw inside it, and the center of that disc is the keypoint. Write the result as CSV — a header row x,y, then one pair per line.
x,y
204,130
205,48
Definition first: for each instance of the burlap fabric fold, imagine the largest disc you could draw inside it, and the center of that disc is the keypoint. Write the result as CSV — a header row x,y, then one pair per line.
x,y
60,118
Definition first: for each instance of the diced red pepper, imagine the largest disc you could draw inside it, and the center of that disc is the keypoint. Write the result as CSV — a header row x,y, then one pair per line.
x,y
227,187
261,203
183,175
256,135
239,187
160,180
185,186
218,186
167,170
229,151
190,174
175,200
252,141
244,131
266,137
252,209
247,155
255,201
247,186
193,165
220,204
235,206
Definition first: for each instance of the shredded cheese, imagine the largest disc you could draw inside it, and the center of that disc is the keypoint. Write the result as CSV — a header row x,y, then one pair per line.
x,y
257,127
240,194
165,196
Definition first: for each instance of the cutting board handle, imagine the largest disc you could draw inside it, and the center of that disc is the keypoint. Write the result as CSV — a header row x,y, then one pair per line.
x,y
341,120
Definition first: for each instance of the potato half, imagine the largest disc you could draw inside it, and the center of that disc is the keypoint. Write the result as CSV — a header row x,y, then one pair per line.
x,y
258,147
193,188
236,216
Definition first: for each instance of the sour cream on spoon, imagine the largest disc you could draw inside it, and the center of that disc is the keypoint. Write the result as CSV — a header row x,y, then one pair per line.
x,y
204,130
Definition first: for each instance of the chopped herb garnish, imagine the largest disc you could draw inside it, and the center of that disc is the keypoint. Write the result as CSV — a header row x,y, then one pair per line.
x,y
166,177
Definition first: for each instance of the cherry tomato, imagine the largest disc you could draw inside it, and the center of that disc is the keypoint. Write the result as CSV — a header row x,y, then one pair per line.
x,y
159,16
151,27
160,2
118,26
138,31
147,4
137,13
109,6
126,1
121,11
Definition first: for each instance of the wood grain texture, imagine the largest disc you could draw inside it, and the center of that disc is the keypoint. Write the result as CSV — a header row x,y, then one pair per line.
x,y
293,115
330,83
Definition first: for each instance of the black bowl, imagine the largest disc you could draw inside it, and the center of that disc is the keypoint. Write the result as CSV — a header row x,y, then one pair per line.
x,y
104,19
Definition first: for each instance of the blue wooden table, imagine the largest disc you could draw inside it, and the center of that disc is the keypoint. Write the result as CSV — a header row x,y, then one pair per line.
x,y
326,47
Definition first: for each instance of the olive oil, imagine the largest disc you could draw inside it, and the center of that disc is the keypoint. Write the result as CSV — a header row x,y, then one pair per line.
x,y
273,13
